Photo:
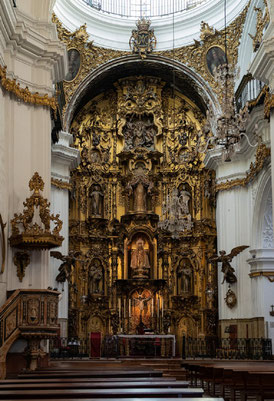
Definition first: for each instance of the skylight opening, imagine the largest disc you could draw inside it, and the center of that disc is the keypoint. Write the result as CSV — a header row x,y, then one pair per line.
x,y
143,8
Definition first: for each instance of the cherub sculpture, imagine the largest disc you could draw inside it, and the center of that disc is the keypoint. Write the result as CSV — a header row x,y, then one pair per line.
x,y
227,269
65,267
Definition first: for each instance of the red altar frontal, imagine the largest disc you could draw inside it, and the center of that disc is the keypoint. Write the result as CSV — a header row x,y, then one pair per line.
x,y
150,345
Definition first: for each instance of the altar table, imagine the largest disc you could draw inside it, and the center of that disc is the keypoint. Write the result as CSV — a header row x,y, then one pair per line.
x,y
131,345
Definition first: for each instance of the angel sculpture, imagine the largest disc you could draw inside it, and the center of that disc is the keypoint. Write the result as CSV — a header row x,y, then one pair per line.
x,y
65,267
227,269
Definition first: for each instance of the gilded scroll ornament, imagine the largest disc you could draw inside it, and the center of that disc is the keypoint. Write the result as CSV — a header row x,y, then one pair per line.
x,y
268,103
21,261
91,56
263,19
29,234
12,86
60,184
197,55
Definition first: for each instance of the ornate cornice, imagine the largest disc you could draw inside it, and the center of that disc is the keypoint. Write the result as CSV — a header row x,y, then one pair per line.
x,y
60,184
24,94
262,155
268,274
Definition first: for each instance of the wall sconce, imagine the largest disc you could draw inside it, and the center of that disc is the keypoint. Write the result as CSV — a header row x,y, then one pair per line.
x,y
272,310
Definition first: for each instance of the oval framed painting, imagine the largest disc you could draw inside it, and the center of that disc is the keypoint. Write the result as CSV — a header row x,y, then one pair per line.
x,y
74,61
215,56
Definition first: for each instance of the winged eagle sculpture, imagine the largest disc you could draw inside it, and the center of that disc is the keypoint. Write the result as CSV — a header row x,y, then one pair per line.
x,y
227,269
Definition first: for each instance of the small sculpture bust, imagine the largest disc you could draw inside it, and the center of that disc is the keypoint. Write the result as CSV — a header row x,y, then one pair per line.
x,y
139,261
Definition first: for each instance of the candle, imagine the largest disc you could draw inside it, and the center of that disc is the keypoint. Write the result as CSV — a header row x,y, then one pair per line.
x,y
158,307
119,307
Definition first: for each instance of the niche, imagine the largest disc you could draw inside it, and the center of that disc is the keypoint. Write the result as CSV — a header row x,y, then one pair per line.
x,y
185,197
96,277
140,257
96,201
185,278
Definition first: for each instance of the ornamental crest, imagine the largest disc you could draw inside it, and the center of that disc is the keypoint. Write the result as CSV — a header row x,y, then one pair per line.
x,y
142,40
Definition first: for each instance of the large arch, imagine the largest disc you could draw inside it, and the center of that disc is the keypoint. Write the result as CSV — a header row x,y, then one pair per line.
x,y
186,81
262,216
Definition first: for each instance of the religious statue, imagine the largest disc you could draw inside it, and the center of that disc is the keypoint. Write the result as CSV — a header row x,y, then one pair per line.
x,y
185,274
139,261
139,134
184,198
227,269
96,201
95,277
140,186
139,198
65,267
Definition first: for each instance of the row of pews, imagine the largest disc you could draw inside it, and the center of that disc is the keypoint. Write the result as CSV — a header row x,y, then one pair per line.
x,y
244,380
99,382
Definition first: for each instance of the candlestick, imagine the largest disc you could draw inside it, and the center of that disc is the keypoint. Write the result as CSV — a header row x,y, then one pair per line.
x,y
129,308
119,307
162,307
124,307
152,307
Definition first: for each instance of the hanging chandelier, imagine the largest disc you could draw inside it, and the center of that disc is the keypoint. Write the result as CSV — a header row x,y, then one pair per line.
x,y
176,210
229,126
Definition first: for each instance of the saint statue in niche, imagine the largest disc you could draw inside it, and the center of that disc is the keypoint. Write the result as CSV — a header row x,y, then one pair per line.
x,y
184,273
95,277
139,262
140,187
140,204
96,201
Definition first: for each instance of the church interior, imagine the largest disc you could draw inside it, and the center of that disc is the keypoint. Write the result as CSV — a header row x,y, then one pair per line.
x,y
136,217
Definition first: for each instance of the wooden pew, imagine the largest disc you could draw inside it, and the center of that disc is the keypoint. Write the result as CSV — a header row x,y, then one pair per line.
x,y
133,399
147,393
235,377
88,380
106,373
94,385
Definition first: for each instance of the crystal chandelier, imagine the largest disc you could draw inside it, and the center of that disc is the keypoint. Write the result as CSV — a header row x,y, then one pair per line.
x,y
229,126
178,217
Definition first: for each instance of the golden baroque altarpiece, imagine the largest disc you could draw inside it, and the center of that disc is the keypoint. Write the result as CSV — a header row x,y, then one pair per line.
x,y
137,147
138,161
